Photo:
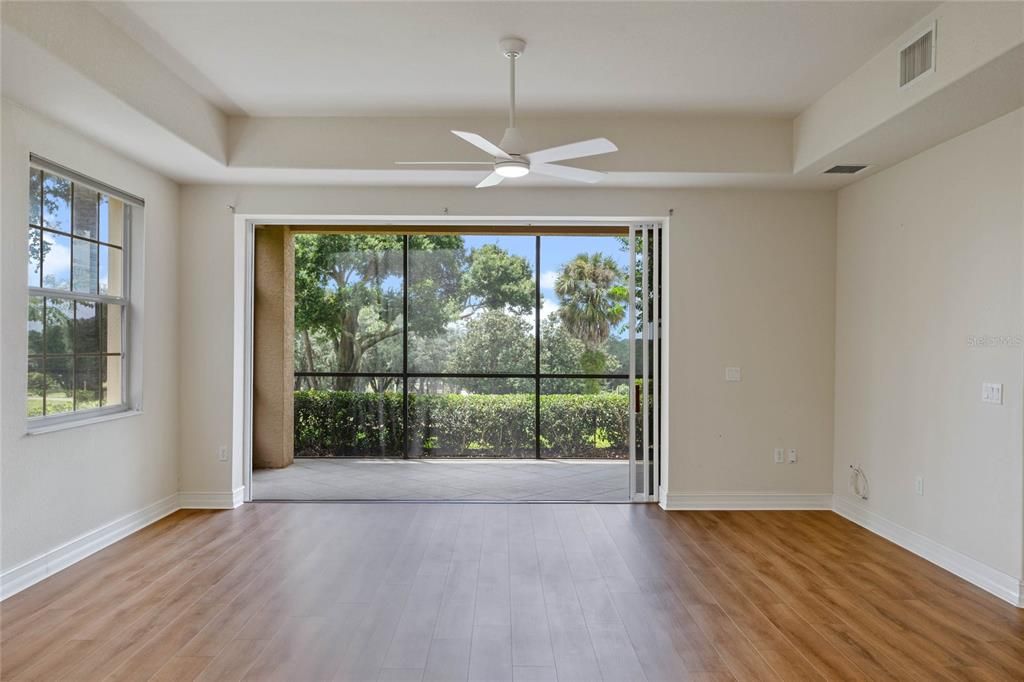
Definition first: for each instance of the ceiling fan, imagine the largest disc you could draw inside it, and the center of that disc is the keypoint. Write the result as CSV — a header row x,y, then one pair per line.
x,y
509,159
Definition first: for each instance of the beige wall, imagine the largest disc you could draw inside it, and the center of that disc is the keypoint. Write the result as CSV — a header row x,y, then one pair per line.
x,y
751,285
929,256
58,486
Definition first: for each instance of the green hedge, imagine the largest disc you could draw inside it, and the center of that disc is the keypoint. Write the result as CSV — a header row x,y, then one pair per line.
x,y
348,424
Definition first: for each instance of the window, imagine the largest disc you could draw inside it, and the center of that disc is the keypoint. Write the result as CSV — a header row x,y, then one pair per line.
x,y
78,281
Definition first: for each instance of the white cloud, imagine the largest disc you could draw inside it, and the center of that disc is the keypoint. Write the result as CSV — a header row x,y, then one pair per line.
x,y
57,261
547,279
547,306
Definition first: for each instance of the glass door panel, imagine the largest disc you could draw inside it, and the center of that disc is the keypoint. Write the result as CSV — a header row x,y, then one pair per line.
x,y
584,304
471,304
645,340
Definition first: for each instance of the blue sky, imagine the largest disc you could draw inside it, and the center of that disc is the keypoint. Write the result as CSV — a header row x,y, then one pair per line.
x,y
554,252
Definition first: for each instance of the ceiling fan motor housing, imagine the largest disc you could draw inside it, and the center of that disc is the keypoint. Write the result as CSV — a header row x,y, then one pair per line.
x,y
513,142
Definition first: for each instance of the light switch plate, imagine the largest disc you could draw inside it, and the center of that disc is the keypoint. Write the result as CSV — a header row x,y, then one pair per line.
x,y
992,393
732,374
780,455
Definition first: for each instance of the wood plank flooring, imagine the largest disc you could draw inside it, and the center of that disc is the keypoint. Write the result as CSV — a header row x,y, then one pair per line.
x,y
520,592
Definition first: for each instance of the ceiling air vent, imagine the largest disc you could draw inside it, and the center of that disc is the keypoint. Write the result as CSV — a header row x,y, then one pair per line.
x,y
917,58
848,169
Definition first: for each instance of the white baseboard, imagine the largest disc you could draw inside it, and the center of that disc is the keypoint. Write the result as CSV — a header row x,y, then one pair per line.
x,y
212,500
745,501
16,579
43,566
973,571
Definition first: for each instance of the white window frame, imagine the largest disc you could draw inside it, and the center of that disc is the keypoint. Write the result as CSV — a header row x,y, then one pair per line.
x,y
130,401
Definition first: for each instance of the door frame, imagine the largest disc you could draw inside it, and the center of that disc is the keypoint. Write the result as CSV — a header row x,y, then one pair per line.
x,y
243,260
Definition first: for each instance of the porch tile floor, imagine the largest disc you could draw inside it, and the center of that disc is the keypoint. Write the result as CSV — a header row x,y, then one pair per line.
x,y
445,479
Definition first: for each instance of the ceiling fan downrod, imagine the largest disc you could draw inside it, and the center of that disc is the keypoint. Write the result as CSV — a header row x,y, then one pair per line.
x,y
512,142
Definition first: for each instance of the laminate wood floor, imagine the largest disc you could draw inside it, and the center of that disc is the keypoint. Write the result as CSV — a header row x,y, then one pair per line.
x,y
506,592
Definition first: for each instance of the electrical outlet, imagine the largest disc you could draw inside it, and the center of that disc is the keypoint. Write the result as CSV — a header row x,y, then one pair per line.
x,y
792,455
222,454
919,485
780,455
733,374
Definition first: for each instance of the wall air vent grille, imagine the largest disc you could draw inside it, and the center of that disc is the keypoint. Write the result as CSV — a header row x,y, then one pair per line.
x,y
918,57
848,169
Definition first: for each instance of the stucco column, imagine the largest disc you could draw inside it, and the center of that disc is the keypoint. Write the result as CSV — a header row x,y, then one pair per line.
x,y
273,338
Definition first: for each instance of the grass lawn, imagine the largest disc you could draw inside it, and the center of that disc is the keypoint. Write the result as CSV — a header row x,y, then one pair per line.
x,y
56,402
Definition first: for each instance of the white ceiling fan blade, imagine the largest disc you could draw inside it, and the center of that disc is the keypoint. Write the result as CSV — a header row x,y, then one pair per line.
x,y
576,150
490,180
444,163
566,172
481,143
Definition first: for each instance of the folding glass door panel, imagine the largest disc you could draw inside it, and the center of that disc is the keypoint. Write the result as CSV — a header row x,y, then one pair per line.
x,y
645,360
510,345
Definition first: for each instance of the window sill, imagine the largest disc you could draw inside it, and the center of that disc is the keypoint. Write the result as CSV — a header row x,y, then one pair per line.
x,y
40,429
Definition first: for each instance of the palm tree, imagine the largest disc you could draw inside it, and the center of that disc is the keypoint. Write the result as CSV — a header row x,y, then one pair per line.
x,y
592,300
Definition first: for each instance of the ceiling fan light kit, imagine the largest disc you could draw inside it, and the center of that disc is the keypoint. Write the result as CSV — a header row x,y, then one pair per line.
x,y
513,168
508,157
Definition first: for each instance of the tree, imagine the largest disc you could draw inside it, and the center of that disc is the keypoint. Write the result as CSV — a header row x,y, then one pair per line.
x,y
348,290
494,342
592,301
496,279
562,353
57,188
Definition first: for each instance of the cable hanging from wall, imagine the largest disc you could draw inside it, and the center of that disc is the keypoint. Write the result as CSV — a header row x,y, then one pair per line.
x,y
859,482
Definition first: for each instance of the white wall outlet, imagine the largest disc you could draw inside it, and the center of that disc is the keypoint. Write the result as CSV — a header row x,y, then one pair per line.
x,y
222,453
919,485
792,455
780,455
992,393
733,374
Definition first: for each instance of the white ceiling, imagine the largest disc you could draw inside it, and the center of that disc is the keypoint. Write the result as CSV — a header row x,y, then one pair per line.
x,y
415,58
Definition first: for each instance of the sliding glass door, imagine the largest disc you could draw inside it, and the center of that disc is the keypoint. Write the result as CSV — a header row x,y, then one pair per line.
x,y
507,344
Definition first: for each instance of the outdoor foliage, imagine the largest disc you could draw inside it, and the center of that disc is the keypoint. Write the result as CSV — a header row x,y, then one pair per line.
x,y
593,298
593,302
348,296
471,313
345,423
